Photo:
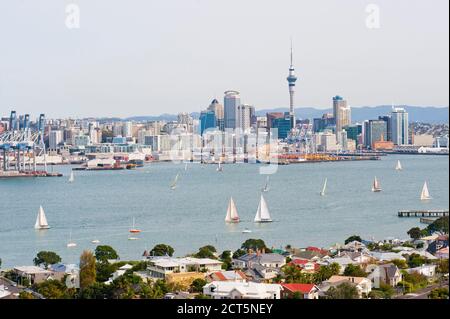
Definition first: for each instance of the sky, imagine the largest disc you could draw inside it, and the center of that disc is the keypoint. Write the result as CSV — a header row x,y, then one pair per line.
x,y
147,57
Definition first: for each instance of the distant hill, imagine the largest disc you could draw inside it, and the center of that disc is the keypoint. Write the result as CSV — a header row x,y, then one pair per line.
x,y
428,114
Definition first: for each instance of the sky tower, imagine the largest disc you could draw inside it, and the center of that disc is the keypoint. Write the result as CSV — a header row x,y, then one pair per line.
x,y
291,80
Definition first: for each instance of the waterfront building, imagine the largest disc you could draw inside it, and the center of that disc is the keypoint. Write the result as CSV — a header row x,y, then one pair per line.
x,y
341,113
353,131
399,128
283,125
388,120
127,129
231,100
13,121
328,142
161,266
261,122
242,290
291,82
374,130
117,129
207,121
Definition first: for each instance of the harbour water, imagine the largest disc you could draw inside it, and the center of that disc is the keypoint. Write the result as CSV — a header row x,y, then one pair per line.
x,y
102,205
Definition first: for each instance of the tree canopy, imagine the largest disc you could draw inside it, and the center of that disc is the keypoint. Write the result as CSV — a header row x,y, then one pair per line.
x,y
254,244
104,252
87,269
353,238
206,252
162,250
46,258
343,291
354,271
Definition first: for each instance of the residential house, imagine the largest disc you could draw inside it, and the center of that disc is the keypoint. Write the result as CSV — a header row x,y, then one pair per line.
x,y
305,265
383,274
386,256
161,266
242,290
305,291
71,271
37,275
426,270
362,284
440,242
442,253
231,275
267,260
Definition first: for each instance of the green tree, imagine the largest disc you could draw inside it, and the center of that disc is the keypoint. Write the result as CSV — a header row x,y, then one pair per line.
x,y
442,266
104,271
206,252
225,257
254,244
353,238
26,295
97,290
105,252
343,291
415,233
439,293
416,260
198,284
54,289
0,263
376,294
415,279
162,250
387,290
238,253
440,224
293,274
202,296
46,258
354,271
87,269
400,263
325,272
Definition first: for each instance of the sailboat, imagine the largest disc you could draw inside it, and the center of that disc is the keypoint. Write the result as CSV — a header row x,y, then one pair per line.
x,y
262,214
71,178
322,193
185,167
425,195
376,186
398,167
95,241
266,186
232,214
174,183
71,244
133,229
41,220
220,168
246,231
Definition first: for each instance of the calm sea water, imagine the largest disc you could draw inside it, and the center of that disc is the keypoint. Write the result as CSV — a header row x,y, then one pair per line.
x,y
102,205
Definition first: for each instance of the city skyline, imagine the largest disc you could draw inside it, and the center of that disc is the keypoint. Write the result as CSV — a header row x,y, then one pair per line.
x,y
82,72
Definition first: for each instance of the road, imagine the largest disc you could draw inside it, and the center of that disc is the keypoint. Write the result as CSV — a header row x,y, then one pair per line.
x,y
423,293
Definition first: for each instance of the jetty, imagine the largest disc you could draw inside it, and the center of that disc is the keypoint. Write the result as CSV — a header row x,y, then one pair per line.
x,y
423,213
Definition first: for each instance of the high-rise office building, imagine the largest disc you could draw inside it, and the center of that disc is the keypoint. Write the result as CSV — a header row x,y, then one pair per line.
x,y
374,131
272,116
55,138
353,131
341,113
217,108
388,120
291,82
245,114
399,126
231,101
13,121
207,120
283,125
326,122
127,129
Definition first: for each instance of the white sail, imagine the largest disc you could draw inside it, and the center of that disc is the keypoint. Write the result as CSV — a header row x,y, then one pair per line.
x,y
41,220
232,214
174,184
185,167
71,178
266,186
398,167
71,244
322,193
376,186
262,214
425,195
219,168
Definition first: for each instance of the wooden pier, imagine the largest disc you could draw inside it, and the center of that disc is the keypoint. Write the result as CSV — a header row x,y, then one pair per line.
x,y
423,213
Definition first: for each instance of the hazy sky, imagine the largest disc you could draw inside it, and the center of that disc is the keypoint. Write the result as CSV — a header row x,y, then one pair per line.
x,y
150,57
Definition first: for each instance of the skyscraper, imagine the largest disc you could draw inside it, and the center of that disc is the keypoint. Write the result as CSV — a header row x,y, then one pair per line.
x,y
341,113
231,101
374,131
12,121
291,81
217,108
245,113
399,126
207,120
